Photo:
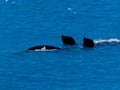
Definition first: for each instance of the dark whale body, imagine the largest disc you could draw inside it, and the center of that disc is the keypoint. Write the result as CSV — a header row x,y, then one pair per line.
x,y
88,42
67,40
43,48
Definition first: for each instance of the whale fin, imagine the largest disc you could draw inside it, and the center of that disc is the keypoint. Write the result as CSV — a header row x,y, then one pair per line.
x,y
88,42
67,40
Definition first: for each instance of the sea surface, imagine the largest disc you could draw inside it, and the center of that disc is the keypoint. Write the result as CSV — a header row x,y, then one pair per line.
x,y
27,23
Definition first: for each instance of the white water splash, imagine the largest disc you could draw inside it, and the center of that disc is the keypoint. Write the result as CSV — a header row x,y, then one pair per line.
x,y
112,40
72,10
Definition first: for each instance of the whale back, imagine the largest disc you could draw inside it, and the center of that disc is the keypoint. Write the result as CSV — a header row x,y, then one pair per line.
x,y
88,42
67,40
43,47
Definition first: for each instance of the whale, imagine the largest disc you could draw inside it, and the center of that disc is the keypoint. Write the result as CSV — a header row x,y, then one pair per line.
x,y
43,48
68,40
89,43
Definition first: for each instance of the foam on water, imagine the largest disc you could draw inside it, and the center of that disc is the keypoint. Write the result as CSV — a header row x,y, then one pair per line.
x,y
111,40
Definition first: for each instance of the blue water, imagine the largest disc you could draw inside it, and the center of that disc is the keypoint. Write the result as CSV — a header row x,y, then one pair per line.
x,y
24,24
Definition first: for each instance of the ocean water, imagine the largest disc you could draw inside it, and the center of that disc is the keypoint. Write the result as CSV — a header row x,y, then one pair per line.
x,y
24,24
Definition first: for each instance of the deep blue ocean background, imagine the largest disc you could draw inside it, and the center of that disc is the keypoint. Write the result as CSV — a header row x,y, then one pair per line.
x,y
24,24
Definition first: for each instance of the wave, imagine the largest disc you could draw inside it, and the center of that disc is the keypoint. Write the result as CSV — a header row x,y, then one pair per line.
x,y
112,40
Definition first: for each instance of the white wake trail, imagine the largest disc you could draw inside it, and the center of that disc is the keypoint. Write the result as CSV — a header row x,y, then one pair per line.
x,y
112,40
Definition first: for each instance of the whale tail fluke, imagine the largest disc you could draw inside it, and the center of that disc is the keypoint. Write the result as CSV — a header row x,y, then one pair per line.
x,y
88,42
67,40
